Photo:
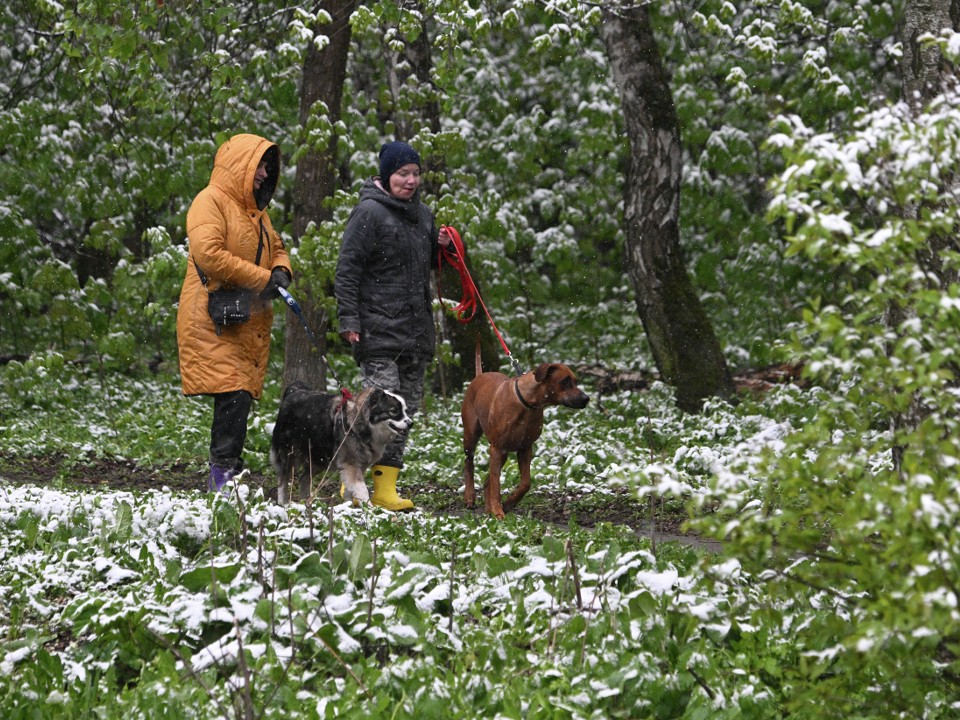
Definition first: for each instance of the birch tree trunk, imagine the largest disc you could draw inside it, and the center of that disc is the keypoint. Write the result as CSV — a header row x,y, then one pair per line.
x,y
685,348
321,90
923,76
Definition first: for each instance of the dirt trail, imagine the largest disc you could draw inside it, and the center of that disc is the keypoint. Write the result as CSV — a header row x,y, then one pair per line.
x,y
586,510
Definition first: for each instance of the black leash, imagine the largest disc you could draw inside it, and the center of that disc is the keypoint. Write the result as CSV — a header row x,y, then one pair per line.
x,y
295,306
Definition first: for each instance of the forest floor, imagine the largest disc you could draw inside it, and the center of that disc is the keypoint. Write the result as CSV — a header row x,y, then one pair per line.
x,y
566,509
569,508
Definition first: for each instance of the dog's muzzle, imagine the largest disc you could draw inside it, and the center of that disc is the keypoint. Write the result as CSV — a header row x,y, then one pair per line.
x,y
400,427
578,402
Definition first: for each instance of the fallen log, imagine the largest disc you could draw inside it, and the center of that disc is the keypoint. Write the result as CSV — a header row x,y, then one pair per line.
x,y
756,380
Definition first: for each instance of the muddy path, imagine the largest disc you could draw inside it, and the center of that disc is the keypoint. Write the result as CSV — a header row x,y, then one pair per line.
x,y
585,509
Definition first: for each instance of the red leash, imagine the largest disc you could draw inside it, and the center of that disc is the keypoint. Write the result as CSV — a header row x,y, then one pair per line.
x,y
467,307
468,301
345,397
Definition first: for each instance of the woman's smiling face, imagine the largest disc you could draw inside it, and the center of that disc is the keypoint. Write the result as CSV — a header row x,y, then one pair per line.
x,y
405,181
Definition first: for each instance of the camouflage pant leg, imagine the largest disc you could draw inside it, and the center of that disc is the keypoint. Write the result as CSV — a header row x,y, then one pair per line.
x,y
403,376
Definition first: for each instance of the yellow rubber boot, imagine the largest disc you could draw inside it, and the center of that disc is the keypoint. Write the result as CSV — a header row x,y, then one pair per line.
x,y
385,489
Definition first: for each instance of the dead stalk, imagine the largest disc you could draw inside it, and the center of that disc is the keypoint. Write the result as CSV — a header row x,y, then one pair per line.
x,y
347,668
572,562
373,584
309,507
453,560
260,551
188,667
247,693
653,524
330,533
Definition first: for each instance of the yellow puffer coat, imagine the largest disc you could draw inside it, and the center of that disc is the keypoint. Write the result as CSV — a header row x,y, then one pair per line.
x,y
224,229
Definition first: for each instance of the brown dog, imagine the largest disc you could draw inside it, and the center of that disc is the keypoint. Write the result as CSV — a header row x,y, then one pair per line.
x,y
509,411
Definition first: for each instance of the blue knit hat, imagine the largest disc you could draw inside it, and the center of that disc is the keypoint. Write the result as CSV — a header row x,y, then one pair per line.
x,y
393,156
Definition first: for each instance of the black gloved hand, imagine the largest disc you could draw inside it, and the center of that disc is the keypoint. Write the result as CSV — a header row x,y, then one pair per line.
x,y
279,278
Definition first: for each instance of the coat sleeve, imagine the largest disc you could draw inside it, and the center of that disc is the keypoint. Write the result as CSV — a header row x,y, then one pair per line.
x,y
434,241
350,267
278,250
207,228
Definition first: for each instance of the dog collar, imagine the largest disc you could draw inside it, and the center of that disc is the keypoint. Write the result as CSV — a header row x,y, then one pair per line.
x,y
516,387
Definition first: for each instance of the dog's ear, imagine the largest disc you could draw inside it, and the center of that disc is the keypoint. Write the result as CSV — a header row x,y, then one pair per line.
x,y
372,396
543,371
367,399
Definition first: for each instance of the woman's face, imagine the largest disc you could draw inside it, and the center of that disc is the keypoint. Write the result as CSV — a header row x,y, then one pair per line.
x,y
405,181
260,175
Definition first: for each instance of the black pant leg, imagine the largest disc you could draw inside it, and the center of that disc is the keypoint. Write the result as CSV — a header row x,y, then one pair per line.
x,y
229,430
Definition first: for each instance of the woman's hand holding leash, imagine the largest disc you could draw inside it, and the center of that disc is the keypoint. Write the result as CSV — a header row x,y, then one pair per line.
x,y
444,238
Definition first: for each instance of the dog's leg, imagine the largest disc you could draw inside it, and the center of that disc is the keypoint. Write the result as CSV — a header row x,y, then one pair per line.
x,y
306,477
524,456
306,481
471,436
284,477
354,488
491,489
469,491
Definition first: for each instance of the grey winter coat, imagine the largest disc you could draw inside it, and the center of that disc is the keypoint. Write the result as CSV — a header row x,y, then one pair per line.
x,y
382,283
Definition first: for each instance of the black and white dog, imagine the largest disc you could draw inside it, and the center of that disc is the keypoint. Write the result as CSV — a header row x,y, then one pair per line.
x,y
317,432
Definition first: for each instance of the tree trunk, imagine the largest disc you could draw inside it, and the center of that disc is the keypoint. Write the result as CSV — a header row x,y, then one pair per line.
x,y
449,377
323,76
923,77
685,348
922,70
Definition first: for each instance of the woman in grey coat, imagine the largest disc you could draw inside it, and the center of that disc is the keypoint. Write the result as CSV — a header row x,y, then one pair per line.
x,y
382,286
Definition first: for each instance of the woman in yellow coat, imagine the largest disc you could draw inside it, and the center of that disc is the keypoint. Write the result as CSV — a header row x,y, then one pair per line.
x,y
232,245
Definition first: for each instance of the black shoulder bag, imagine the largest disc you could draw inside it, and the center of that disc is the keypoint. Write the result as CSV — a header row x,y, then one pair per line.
x,y
230,307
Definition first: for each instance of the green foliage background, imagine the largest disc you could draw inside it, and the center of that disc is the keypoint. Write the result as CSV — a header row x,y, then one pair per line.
x,y
813,203
112,117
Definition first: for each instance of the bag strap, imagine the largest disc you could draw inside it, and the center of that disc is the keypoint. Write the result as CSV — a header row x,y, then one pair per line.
x,y
203,278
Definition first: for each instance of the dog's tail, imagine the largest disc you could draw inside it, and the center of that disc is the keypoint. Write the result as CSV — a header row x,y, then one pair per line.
x,y
477,363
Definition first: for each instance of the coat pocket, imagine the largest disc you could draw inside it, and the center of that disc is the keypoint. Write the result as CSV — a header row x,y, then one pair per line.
x,y
382,314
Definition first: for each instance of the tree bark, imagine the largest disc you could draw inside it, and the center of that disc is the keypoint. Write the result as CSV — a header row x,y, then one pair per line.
x,y
449,377
923,76
463,337
922,70
685,348
323,77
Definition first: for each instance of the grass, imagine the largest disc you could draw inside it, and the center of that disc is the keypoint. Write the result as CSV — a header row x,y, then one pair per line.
x,y
158,600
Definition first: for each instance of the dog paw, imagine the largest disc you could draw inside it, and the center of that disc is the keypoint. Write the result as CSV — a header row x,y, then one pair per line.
x,y
357,493
496,510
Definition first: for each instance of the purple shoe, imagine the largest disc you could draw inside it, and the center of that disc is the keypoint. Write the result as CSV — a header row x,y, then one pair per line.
x,y
219,477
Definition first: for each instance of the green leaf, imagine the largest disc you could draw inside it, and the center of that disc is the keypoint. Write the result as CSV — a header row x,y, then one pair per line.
x,y
361,557
204,577
311,570
554,549
123,527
